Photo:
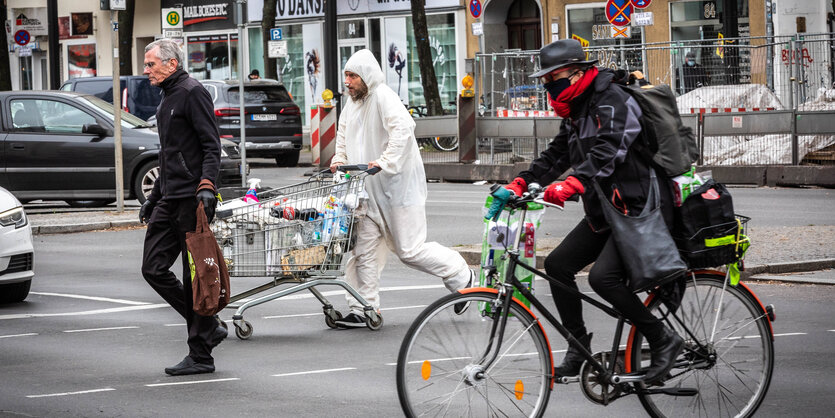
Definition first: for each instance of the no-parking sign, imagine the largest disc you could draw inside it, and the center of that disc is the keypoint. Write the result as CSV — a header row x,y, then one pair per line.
x,y
618,12
475,8
22,37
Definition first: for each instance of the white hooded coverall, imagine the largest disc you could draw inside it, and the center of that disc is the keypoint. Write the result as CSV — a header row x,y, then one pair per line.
x,y
379,128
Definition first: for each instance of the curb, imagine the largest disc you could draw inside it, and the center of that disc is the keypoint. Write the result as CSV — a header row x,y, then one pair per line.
x,y
85,227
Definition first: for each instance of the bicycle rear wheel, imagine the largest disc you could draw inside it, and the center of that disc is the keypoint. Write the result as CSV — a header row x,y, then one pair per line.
x,y
728,356
441,367
445,143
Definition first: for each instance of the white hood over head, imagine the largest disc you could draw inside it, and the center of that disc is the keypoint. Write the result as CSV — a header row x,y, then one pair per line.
x,y
366,66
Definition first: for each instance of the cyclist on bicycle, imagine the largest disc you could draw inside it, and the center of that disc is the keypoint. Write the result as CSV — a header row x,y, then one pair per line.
x,y
597,138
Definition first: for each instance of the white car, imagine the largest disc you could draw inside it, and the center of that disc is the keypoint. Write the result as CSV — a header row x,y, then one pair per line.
x,y
16,251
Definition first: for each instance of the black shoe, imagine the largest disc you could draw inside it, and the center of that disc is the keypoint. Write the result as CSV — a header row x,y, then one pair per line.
x,y
352,320
663,355
461,307
189,366
573,359
218,335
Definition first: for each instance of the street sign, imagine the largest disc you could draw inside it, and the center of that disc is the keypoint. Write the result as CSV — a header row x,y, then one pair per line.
x,y
276,34
475,8
24,51
478,29
642,19
118,4
641,4
172,18
22,37
276,49
618,12
172,33
620,32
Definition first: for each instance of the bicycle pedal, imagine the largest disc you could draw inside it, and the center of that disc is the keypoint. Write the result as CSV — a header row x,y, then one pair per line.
x,y
567,379
673,391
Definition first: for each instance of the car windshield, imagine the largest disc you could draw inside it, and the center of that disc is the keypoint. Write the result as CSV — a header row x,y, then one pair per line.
x,y
259,94
128,121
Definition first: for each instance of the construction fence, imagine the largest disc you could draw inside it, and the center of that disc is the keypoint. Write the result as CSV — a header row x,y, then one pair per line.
x,y
731,90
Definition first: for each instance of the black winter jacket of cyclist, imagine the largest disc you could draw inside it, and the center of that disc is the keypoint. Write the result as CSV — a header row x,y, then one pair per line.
x,y
600,141
188,136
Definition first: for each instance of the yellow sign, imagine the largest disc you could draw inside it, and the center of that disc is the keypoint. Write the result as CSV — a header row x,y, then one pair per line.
x,y
583,42
720,51
173,18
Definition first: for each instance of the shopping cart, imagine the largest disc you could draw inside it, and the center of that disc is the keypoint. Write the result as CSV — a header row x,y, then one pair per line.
x,y
294,235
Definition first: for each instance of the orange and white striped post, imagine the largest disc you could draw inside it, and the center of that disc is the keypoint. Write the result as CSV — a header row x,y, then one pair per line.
x,y
314,134
327,135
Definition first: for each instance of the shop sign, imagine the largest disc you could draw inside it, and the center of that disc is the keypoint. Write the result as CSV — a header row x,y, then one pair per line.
x,y
642,19
297,9
30,19
582,41
204,13
478,29
618,12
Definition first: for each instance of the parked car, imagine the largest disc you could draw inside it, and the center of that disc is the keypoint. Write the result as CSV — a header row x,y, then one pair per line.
x,y
139,97
273,120
59,146
16,251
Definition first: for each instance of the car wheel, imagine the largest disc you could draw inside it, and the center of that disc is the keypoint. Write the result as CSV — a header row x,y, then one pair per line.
x,y
89,203
14,292
288,159
143,184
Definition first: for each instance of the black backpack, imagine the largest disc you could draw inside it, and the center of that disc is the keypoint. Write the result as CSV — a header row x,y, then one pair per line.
x,y
705,227
670,144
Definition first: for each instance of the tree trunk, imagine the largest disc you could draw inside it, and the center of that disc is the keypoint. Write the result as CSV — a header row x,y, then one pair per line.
x,y
126,38
5,70
427,70
267,23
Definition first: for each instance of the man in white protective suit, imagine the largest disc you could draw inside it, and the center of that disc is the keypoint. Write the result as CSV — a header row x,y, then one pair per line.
x,y
376,128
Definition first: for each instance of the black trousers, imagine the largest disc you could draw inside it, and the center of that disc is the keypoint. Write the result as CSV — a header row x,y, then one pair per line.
x,y
165,239
580,248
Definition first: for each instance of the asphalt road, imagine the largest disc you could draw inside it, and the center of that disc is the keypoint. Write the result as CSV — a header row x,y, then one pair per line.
x,y
92,339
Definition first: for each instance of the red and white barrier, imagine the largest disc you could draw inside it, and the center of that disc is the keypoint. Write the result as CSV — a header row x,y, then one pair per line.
x,y
314,134
505,113
326,136
696,110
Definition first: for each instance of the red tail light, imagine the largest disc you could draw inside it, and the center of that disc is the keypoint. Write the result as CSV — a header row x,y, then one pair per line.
x,y
226,136
290,111
228,111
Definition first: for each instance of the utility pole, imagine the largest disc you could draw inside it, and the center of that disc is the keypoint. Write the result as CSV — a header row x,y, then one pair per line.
x,y
115,6
331,65
52,30
242,117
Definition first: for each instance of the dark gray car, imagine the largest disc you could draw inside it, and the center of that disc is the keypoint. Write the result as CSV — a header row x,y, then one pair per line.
x,y
273,120
60,146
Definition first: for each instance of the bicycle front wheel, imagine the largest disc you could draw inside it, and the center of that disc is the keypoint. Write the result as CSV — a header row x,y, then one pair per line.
x,y
445,143
445,369
728,355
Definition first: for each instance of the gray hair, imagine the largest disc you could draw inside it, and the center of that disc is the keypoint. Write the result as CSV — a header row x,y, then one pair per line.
x,y
168,50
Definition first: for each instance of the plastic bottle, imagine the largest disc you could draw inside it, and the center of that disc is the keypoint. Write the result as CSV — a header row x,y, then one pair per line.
x,y
251,195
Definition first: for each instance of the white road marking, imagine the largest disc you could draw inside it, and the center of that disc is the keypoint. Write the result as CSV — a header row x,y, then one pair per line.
x,y
193,382
403,307
81,392
67,295
19,335
93,312
382,289
789,334
314,372
292,316
99,329
174,325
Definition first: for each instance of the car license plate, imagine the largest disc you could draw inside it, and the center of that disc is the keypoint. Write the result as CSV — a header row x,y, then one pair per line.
x,y
264,116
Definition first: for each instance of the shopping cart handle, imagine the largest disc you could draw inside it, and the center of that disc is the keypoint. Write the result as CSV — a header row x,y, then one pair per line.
x,y
359,167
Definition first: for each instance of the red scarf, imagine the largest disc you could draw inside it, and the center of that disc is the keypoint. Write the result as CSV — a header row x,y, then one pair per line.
x,y
561,104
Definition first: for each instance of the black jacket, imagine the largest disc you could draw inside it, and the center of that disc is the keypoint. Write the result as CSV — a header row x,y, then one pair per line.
x,y
600,142
188,136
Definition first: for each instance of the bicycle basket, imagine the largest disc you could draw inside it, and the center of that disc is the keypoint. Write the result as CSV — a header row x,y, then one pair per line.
x,y
715,245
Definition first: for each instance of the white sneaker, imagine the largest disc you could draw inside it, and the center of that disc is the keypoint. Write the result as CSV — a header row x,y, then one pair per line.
x,y
461,307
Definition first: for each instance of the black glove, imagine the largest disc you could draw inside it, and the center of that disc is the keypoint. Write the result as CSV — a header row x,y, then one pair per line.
x,y
209,200
145,211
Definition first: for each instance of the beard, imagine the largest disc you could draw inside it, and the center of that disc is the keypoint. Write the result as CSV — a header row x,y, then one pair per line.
x,y
360,92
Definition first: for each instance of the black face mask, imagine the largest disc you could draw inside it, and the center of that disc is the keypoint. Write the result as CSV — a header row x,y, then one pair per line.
x,y
556,87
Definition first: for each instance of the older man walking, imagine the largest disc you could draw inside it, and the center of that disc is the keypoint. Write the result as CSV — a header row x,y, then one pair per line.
x,y
189,162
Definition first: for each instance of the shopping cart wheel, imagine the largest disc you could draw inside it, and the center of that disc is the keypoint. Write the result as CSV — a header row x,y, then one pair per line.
x,y
331,318
372,324
243,331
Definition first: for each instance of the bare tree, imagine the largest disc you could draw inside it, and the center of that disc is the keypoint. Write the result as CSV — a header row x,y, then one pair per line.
x,y
126,38
5,71
427,70
267,23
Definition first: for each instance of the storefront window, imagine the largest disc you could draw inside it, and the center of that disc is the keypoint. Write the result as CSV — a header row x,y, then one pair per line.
x,y
441,29
81,60
592,27
256,51
211,57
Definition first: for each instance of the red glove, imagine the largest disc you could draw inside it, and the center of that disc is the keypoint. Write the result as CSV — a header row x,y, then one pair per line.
x,y
517,186
557,193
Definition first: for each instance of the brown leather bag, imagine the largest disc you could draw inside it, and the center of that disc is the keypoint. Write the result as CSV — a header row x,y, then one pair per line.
x,y
209,274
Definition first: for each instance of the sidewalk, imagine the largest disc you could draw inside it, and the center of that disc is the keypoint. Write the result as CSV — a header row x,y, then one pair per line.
x,y
774,251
